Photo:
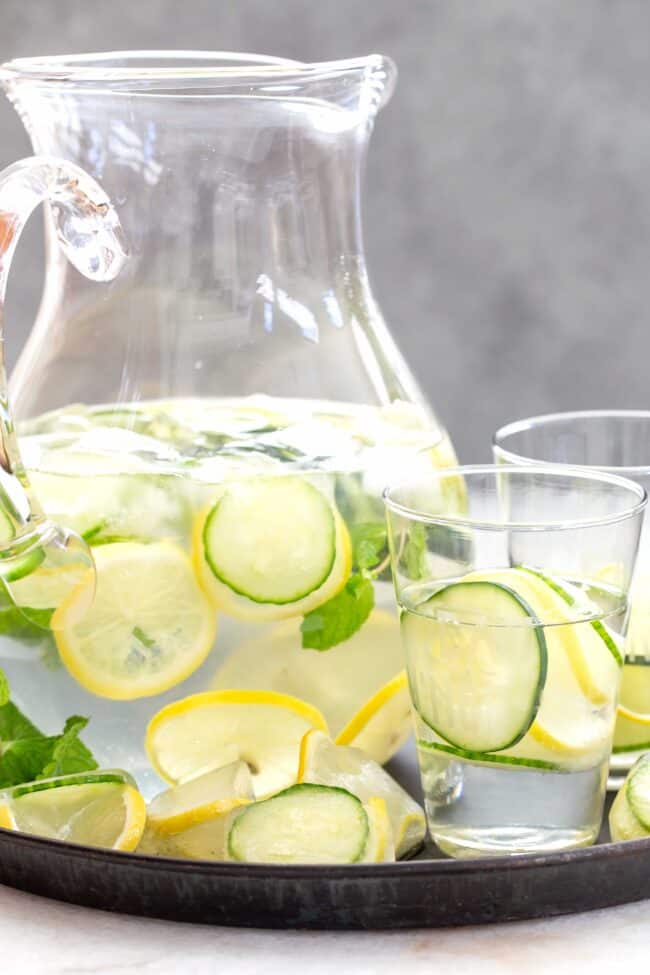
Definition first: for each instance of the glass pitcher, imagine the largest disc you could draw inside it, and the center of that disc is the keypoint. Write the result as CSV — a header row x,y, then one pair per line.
x,y
214,424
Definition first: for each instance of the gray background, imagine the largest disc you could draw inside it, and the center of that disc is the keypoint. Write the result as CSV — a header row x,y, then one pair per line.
x,y
508,191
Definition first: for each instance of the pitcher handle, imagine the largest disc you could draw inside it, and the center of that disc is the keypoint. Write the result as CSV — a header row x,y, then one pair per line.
x,y
89,232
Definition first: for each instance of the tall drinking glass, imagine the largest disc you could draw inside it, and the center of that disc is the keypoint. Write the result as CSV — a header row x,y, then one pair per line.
x,y
513,634
618,442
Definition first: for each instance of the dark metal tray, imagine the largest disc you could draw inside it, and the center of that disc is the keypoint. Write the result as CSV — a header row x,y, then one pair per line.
x,y
426,892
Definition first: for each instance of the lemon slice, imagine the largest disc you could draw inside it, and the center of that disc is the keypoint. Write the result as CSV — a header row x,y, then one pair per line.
x,y
383,724
206,841
379,845
200,799
206,731
49,586
632,730
93,809
271,548
149,627
324,763
358,685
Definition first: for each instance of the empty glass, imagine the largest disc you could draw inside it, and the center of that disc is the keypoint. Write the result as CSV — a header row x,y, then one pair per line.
x,y
617,441
513,627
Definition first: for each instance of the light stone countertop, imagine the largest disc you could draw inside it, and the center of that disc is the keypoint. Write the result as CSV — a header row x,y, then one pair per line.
x,y
48,938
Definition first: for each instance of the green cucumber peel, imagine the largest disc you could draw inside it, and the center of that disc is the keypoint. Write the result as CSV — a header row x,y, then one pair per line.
x,y
296,791
541,675
570,601
211,547
637,790
488,758
116,777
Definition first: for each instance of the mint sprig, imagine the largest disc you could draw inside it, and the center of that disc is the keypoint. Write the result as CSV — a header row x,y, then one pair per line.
x,y
340,617
369,544
26,754
344,614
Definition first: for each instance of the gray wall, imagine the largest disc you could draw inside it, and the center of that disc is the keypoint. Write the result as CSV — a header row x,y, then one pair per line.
x,y
508,194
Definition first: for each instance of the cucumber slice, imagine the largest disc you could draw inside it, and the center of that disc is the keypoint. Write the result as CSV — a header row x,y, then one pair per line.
x,y
486,758
629,817
476,686
272,540
304,824
623,824
637,789
77,778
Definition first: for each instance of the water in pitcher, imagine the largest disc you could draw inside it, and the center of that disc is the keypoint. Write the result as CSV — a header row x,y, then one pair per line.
x,y
222,531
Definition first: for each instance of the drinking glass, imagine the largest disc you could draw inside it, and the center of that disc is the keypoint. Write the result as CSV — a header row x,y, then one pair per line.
x,y
512,628
618,442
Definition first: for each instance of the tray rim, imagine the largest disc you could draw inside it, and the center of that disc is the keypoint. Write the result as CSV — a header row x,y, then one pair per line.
x,y
332,872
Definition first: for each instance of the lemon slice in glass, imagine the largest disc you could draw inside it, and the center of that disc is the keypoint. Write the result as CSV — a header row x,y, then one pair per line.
x,y
206,731
92,808
150,625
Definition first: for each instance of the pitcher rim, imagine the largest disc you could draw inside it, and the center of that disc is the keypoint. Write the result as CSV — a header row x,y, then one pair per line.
x,y
98,71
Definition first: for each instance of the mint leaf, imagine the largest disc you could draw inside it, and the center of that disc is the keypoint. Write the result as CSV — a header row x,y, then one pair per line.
x,y
14,726
4,689
26,754
23,760
69,754
414,556
15,623
340,617
368,544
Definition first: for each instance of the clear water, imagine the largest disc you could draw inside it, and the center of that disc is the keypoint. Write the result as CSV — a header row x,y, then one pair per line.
x,y
475,809
545,791
146,473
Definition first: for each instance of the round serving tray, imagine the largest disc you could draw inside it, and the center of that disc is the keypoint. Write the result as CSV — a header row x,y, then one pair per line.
x,y
426,892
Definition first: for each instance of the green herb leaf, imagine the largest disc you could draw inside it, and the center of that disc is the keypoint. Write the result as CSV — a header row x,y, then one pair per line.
x,y
16,624
14,726
4,689
340,617
69,754
414,557
368,544
26,754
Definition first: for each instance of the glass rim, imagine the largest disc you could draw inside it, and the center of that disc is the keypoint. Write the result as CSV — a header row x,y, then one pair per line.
x,y
548,419
558,471
222,68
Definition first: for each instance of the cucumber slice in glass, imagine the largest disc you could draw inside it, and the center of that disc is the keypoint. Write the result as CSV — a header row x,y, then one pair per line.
x,y
487,758
272,540
304,824
478,687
